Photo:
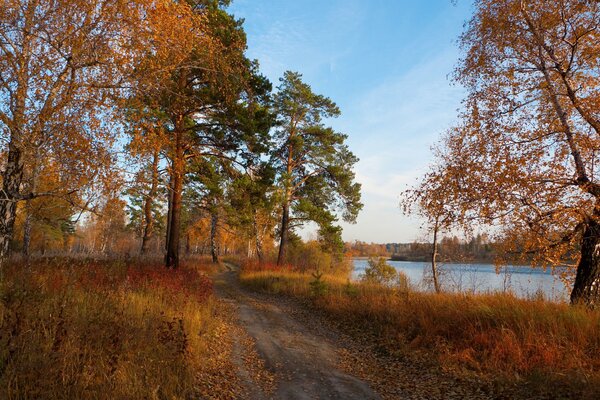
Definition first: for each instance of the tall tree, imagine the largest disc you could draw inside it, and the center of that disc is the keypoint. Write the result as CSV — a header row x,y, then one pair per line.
x,y
252,198
145,147
195,104
145,209
526,152
209,181
149,203
314,164
61,67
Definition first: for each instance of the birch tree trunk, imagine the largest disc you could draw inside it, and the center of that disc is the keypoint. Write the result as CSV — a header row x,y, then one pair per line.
x,y
434,254
148,204
12,179
586,289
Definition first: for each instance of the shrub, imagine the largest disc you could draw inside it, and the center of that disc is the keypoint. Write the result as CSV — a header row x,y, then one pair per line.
x,y
351,290
382,273
310,257
318,288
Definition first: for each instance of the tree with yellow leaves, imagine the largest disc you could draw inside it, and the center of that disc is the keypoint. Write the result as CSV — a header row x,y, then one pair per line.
x,y
63,64
525,155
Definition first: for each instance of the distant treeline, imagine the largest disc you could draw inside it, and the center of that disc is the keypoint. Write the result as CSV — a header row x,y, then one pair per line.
x,y
451,249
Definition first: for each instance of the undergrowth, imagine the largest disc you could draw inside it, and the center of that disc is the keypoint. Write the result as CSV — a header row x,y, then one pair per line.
x,y
105,330
495,334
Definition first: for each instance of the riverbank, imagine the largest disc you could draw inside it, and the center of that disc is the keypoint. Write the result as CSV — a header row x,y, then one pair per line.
x,y
553,349
522,281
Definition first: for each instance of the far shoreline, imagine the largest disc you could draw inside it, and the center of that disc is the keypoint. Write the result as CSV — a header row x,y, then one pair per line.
x,y
442,262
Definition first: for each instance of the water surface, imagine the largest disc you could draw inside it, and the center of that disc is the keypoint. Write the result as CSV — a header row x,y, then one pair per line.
x,y
523,281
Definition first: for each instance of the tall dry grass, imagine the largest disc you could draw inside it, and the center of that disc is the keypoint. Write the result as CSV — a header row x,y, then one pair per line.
x,y
495,333
104,330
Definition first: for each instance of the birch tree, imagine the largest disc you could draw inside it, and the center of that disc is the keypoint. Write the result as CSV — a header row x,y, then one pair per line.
x,y
63,63
527,145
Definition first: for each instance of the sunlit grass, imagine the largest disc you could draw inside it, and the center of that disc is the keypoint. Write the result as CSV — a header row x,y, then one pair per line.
x,y
492,333
102,330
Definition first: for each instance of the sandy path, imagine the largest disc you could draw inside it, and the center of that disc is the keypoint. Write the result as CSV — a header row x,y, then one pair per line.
x,y
304,365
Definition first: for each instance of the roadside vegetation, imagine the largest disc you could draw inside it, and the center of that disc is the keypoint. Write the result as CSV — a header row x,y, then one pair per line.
x,y
75,329
494,335
141,128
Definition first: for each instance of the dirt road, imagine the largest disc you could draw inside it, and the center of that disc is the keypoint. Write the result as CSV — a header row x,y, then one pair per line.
x,y
303,364
282,350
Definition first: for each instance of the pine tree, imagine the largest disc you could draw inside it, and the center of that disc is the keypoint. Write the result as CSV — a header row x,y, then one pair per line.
x,y
313,164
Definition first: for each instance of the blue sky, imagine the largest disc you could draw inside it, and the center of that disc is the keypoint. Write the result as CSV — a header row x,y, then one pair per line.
x,y
386,63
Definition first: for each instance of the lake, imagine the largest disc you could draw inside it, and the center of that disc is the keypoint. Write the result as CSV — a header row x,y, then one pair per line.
x,y
523,281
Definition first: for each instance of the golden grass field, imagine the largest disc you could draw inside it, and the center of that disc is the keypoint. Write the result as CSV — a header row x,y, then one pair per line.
x,y
110,330
494,334
134,330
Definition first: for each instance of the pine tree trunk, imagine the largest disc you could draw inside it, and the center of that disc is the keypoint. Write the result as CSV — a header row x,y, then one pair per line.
x,y
177,175
11,182
586,289
285,217
259,240
285,226
214,245
148,204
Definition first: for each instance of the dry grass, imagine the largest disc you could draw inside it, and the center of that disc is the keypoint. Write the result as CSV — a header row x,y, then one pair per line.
x,y
492,334
106,330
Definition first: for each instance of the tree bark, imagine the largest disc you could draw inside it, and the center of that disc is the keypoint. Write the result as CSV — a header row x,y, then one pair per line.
x,y
259,240
12,177
27,228
11,182
285,226
214,245
434,253
177,174
586,289
148,204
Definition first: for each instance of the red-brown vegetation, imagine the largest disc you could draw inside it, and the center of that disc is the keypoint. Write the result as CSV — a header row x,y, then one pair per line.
x,y
495,334
112,329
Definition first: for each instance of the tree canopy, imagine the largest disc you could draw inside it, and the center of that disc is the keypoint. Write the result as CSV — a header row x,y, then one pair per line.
x,y
313,163
146,117
524,156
